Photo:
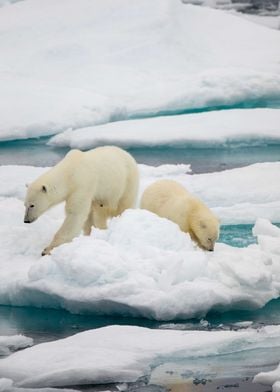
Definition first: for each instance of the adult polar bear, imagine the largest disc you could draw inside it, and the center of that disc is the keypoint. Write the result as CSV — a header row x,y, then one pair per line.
x,y
96,184
171,200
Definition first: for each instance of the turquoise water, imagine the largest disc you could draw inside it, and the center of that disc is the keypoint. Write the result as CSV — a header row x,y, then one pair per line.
x,y
237,235
272,102
51,324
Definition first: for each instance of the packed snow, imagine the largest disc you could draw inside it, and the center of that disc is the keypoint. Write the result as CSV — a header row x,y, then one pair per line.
x,y
143,265
241,126
9,344
114,60
270,378
124,353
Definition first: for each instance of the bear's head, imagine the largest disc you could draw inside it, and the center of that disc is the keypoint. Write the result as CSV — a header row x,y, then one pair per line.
x,y
37,201
204,230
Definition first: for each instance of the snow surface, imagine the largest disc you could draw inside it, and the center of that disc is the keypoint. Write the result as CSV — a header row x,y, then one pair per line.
x,y
9,344
124,353
217,127
117,59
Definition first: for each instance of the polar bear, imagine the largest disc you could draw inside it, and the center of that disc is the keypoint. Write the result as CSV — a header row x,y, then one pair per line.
x,y
171,200
96,184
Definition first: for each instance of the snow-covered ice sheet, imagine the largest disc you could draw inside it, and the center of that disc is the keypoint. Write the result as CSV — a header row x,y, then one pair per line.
x,y
7,385
270,378
119,59
9,344
238,196
241,126
123,353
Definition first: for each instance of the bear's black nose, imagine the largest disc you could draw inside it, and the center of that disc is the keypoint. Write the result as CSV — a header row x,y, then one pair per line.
x,y
26,221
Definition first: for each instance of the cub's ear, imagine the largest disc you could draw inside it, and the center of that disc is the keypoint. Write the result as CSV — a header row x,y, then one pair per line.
x,y
44,189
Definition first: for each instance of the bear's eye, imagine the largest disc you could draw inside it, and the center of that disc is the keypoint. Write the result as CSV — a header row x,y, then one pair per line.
x,y
31,206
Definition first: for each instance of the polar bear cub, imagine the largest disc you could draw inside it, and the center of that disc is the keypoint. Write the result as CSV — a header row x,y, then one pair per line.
x,y
95,185
170,200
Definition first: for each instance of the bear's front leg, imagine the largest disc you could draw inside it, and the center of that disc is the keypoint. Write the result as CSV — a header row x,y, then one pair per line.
x,y
46,251
77,209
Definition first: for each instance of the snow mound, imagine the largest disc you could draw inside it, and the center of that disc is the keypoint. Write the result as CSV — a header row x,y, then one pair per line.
x,y
142,265
9,344
114,60
123,354
220,128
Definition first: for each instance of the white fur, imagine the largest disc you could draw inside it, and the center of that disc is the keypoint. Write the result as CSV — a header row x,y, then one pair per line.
x,y
95,185
171,200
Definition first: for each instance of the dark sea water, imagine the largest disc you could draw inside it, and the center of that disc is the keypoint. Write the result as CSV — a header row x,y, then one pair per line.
x,y
203,158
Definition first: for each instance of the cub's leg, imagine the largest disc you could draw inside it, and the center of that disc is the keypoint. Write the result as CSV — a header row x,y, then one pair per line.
x,y
100,214
89,222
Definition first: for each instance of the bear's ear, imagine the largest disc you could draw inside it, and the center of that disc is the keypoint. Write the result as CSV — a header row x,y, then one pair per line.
x,y
26,185
44,189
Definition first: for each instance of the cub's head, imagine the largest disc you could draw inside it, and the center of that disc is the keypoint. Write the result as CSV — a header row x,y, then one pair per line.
x,y
36,202
204,230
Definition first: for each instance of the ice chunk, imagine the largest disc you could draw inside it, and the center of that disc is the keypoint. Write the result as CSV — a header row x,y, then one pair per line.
x,y
270,378
9,344
264,227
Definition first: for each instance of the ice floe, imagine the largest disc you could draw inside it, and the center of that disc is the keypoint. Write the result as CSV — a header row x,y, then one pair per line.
x,y
219,128
9,344
114,60
123,354
141,265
